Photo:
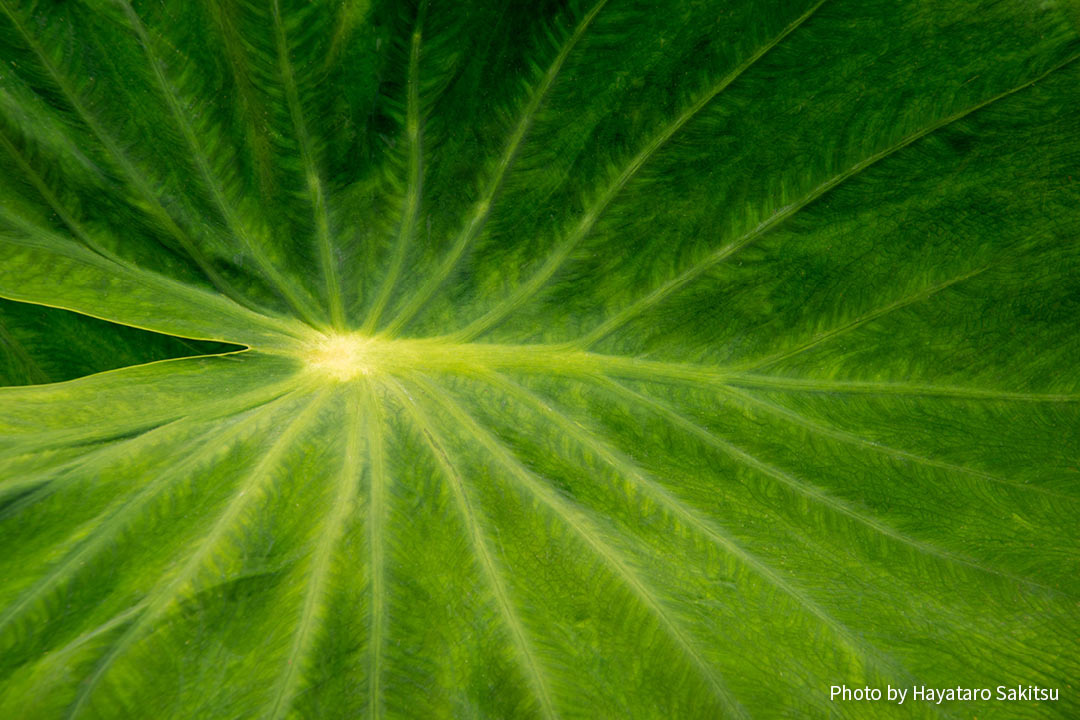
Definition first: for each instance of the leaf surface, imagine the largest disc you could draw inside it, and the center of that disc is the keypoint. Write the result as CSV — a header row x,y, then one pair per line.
x,y
557,359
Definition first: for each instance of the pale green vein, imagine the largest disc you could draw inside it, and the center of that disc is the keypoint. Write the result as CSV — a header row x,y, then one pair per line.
x,y
479,541
855,323
433,354
115,621
329,534
166,594
289,290
316,193
928,599
376,513
581,525
66,217
257,137
814,493
139,182
436,355
564,247
411,210
349,17
688,515
887,450
36,486
50,197
872,387
482,208
109,527
34,373
54,665
216,406
278,329
777,218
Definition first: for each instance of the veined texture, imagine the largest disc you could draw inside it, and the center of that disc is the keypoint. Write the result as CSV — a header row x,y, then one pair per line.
x,y
554,359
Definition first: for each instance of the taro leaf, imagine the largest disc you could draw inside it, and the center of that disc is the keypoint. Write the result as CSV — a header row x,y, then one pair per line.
x,y
603,359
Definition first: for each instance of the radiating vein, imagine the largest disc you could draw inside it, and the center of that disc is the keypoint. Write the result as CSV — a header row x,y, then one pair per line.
x,y
289,290
857,322
257,137
209,442
136,178
928,599
61,211
115,621
887,450
50,197
55,664
348,16
814,493
781,215
684,512
48,241
873,387
376,517
104,435
36,486
411,209
581,526
564,247
482,208
316,193
162,598
329,534
438,355
480,542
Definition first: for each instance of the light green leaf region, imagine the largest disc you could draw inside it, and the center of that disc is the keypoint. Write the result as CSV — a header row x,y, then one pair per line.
x,y
599,359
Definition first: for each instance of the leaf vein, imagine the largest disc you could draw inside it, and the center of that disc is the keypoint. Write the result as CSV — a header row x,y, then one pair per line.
x,y
316,193
562,250
411,209
135,176
328,537
289,290
161,599
479,541
376,513
482,208
812,492
578,522
785,213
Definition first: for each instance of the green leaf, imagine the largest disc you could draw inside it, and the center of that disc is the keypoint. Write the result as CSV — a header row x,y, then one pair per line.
x,y
586,359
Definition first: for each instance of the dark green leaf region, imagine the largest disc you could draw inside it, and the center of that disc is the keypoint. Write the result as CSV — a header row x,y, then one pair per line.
x,y
674,359
40,345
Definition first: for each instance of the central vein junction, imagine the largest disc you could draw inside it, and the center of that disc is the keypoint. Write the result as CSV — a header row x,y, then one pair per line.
x,y
345,357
